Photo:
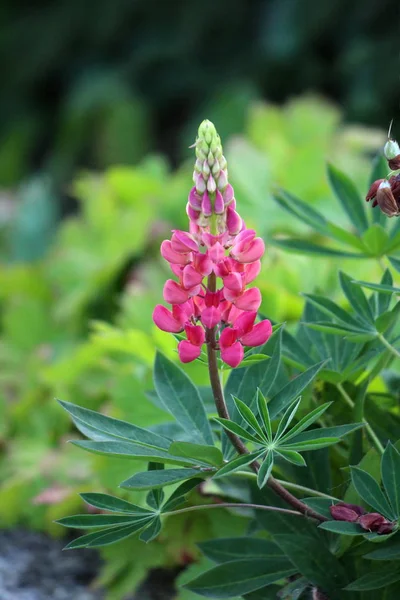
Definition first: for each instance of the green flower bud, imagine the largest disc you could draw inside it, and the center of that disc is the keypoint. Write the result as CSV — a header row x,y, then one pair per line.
x,y
391,149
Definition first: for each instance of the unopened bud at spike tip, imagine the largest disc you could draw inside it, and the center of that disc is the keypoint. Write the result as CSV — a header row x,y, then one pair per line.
x,y
391,149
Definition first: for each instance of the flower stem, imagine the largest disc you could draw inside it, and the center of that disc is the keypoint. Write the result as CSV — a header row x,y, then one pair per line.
x,y
374,438
388,345
234,439
232,505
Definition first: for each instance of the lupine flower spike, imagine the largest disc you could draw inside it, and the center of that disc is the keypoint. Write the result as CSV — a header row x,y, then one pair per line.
x,y
217,248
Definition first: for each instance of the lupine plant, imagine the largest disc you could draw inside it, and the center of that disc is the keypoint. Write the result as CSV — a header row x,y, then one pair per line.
x,y
299,427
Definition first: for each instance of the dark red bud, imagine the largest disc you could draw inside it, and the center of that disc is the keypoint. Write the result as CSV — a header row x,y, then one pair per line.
x,y
373,189
346,512
372,521
386,528
394,163
386,200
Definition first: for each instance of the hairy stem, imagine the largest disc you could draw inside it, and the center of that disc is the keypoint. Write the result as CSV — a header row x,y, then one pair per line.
x,y
233,505
234,439
374,438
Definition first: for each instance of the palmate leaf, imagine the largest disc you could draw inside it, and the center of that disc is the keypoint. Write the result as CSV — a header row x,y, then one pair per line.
x,y
287,418
249,418
357,299
265,470
306,421
238,430
182,399
306,247
152,530
264,414
208,454
97,521
240,577
390,469
156,495
292,456
238,463
375,580
106,537
348,197
179,495
113,504
342,528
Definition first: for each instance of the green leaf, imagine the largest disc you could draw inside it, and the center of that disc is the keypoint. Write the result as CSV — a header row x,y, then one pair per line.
x,y
287,418
227,549
239,577
292,457
156,496
84,540
182,399
238,430
369,490
357,299
353,335
264,414
116,535
113,504
332,432
321,505
157,479
390,468
301,210
107,428
252,359
312,559
342,235
89,521
304,247
306,421
152,530
310,445
248,417
179,495
292,390
348,197
375,239
342,527
237,463
374,581
384,289
265,469
387,551
395,263
132,451
208,454
386,320
330,308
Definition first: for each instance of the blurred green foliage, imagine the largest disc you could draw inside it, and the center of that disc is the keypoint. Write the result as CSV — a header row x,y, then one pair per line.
x,y
75,80
76,317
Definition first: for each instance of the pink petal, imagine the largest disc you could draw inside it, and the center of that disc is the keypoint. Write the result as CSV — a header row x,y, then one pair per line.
x,y
233,355
216,252
206,207
231,295
251,253
194,199
219,203
174,293
188,352
234,314
212,298
252,270
177,270
210,317
195,334
191,277
233,221
192,213
260,333
165,320
172,256
202,263
183,242
244,322
228,194
228,337
194,291
234,282
221,269
249,300
245,236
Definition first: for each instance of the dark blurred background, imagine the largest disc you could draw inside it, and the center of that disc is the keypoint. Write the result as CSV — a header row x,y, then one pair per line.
x,y
97,83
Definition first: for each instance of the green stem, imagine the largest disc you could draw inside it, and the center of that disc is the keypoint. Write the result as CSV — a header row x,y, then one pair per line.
x,y
389,346
233,505
289,485
374,438
234,439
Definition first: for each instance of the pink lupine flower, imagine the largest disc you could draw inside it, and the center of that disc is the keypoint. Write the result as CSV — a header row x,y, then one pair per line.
x,y
218,246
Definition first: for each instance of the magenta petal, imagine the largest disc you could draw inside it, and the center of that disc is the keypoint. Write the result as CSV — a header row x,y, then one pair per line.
x,y
231,295
195,199
219,203
195,334
244,322
258,335
165,320
228,194
188,352
233,221
233,355
234,282
251,253
206,207
252,271
228,337
202,263
210,317
192,213
172,256
249,300
174,293
191,277
216,252
183,242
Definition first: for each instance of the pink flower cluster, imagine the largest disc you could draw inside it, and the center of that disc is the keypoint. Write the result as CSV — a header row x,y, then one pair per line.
x,y
218,247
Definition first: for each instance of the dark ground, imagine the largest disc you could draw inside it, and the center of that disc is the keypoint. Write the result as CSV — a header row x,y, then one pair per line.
x,y
33,567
